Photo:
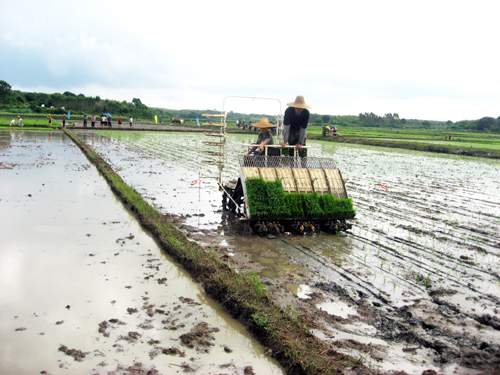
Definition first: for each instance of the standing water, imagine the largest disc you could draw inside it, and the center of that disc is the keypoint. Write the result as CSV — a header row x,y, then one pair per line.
x,y
83,289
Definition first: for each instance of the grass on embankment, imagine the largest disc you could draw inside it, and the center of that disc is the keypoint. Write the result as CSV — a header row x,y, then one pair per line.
x,y
432,140
28,127
243,295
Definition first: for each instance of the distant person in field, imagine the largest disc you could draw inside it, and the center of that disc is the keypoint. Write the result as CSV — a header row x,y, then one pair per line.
x,y
20,121
92,121
131,121
84,120
49,119
12,122
295,123
325,130
119,120
264,138
64,121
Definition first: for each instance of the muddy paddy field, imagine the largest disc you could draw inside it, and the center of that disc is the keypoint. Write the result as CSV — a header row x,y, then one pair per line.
x,y
413,286
84,290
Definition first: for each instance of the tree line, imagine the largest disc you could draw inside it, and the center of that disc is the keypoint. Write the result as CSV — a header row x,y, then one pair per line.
x,y
392,120
59,103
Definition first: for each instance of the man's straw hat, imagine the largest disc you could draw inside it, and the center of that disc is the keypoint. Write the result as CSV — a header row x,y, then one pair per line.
x,y
299,103
263,123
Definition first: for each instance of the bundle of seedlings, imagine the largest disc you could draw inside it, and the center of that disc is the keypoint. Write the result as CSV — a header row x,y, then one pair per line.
x,y
273,210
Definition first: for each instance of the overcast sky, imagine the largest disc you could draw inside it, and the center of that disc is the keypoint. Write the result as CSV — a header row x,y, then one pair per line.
x,y
436,59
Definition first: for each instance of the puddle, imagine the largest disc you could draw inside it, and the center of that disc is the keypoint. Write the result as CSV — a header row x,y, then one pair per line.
x,y
337,308
84,290
304,291
424,244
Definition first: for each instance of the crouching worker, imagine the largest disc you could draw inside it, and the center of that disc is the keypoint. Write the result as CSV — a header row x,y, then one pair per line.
x,y
265,137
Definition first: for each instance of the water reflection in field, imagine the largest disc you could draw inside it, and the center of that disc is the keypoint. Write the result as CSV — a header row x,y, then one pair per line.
x,y
76,269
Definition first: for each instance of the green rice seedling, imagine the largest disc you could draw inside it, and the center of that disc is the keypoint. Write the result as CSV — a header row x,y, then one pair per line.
x,y
311,205
338,208
276,200
258,199
293,203
267,200
425,281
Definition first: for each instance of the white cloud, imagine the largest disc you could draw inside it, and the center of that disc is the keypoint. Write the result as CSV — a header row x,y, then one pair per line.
x,y
422,59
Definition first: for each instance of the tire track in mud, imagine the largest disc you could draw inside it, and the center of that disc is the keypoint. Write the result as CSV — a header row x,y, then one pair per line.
x,y
479,235
397,324
415,246
435,267
349,275
345,274
361,261
418,208
446,240
431,269
441,255
444,244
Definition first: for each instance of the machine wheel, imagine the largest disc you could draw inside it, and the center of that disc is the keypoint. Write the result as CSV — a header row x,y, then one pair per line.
x,y
232,195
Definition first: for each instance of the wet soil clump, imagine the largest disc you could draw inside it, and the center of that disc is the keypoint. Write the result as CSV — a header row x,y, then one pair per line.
x,y
200,337
76,354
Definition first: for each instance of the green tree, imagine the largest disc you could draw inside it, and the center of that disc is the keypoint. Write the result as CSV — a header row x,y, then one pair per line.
x,y
137,102
5,90
486,123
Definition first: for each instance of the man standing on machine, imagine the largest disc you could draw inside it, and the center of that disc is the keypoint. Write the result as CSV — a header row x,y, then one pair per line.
x,y
295,124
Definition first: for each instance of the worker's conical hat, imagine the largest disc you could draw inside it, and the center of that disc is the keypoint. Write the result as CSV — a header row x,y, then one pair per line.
x,y
299,103
263,123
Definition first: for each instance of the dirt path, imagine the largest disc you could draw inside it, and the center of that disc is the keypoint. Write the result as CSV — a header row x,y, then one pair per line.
x,y
413,287
84,290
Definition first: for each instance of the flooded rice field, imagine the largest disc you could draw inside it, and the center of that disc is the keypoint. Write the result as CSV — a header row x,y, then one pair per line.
x,y
414,286
84,290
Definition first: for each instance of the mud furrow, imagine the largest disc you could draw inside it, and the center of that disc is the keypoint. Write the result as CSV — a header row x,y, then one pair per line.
x,y
431,270
430,221
445,256
345,274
